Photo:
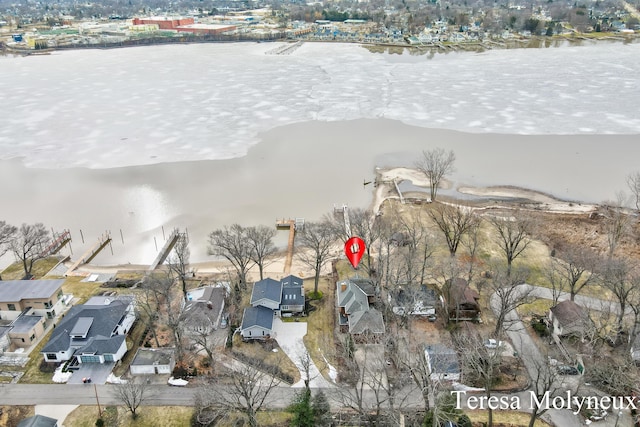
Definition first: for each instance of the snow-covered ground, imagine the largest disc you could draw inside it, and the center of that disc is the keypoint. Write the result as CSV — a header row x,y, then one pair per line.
x,y
100,109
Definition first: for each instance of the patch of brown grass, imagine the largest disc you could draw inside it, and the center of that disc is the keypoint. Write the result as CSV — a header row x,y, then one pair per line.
x,y
503,419
41,267
10,416
149,416
320,327
263,352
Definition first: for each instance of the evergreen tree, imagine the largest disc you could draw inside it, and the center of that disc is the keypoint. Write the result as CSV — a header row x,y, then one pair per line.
x,y
301,410
321,410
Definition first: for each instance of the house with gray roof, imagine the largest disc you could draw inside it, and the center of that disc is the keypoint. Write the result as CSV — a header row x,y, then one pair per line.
x,y
26,330
257,323
44,297
568,318
153,361
203,309
292,300
356,314
442,362
267,293
38,421
94,332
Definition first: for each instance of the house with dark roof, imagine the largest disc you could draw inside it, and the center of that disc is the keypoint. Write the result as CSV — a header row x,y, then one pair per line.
x,y
38,421
150,361
356,314
267,293
442,362
257,323
43,297
293,299
568,318
94,332
414,301
203,309
462,301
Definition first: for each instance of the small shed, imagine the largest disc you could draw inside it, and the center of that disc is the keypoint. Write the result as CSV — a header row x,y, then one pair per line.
x,y
38,421
568,318
153,361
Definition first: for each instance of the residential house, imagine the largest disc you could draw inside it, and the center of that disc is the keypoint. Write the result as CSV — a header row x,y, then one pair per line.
x,y
44,297
38,421
442,362
257,323
25,330
293,299
355,298
93,332
150,361
203,309
568,318
462,301
417,301
267,293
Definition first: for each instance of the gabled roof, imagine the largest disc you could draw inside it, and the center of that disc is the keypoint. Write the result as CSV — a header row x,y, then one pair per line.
x,y
209,304
442,359
365,285
461,293
268,289
291,281
105,320
568,313
102,345
370,321
38,421
351,297
257,316
153,356
17,290
292,292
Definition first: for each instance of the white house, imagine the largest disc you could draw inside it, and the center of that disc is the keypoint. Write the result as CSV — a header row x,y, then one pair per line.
x,y
150,361
94,332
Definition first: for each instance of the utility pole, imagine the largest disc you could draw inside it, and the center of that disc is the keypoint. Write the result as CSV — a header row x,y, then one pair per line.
x,y
95,389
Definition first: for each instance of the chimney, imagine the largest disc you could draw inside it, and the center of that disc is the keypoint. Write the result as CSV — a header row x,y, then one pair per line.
x,y
209,305
343,286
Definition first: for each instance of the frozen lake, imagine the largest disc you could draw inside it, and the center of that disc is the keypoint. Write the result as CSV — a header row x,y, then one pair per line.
x,y
136,106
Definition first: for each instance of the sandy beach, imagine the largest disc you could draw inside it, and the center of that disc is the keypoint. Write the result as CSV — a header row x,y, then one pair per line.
x,y
299,170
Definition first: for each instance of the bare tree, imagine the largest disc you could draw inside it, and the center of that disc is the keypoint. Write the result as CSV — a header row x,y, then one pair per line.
x,y
261,240
454,222
179,261
573,269
507,293
160,288
436,164
543,382
416,249
364,225
29,244
471,242
616,224
315,239
620,276
200,332
480,364
633,182
7,234
514,235
244,390
232,244
132,394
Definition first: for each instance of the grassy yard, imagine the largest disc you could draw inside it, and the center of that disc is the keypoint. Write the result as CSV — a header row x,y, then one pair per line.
x,y
10,416
320,327
32,373
41,267
81,290
166,416
262,352
504,418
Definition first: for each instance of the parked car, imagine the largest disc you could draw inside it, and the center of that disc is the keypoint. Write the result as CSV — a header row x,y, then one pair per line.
x,y
567,370
432,318
491,343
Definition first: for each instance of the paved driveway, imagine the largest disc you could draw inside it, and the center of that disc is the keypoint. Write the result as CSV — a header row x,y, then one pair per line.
x,y
289,336
98,372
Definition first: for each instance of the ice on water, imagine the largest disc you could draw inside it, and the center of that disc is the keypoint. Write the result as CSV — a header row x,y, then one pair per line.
x,y
147,105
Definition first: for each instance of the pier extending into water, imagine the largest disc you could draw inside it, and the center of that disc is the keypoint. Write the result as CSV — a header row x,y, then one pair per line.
x,y
174,237
292,225
91,253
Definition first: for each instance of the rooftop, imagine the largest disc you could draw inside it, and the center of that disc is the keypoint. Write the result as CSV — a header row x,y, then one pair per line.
x,y
24,324
17,290
153,356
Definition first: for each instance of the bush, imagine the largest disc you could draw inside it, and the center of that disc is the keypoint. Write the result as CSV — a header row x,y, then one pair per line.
x,y
99,422
540,327
464,421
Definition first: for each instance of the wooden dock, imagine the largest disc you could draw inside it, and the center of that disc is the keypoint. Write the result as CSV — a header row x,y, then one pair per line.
x,y
167,247
395,182
91,253
344,210
59,240
292,225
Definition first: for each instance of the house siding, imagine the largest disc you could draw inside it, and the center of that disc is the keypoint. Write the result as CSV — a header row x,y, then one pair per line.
x,y
256,332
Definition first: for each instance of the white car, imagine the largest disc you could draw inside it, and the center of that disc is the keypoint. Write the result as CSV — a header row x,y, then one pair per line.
x,y
491,343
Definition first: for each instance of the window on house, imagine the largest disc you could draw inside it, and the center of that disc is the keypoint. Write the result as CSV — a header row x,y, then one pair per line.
x,y
32,337
22,339
51,356
48,304
12,307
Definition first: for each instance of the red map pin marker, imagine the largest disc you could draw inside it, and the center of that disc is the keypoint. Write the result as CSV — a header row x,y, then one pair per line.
x,y
354,248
